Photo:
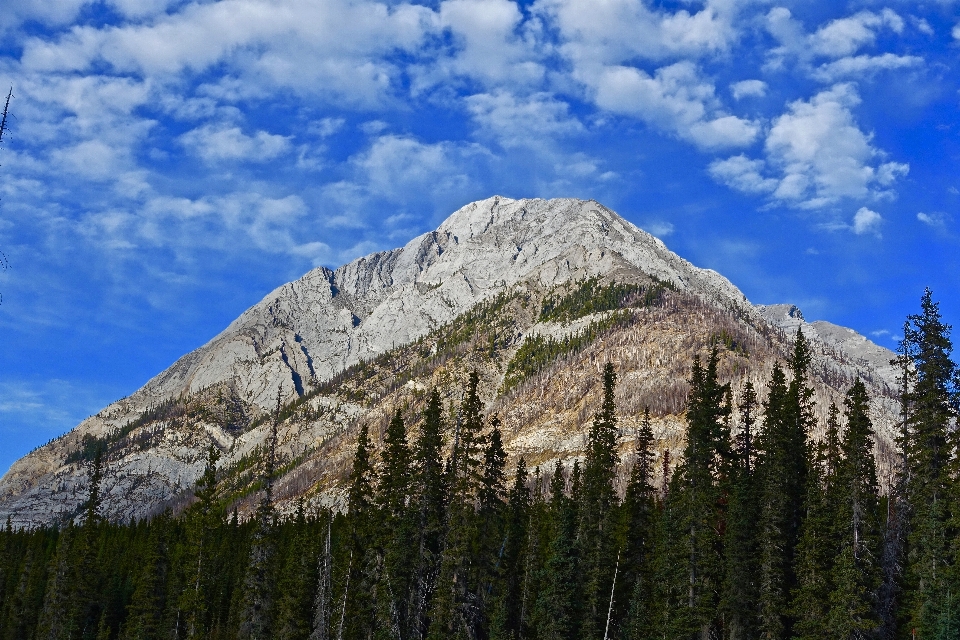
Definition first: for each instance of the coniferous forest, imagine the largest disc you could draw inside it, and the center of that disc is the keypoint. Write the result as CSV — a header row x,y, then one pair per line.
x,y
758,532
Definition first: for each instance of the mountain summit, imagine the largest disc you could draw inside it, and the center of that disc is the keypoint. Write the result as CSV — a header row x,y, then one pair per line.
x,y
492,271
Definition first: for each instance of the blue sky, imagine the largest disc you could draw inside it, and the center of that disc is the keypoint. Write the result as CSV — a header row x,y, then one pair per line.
x,y
171,162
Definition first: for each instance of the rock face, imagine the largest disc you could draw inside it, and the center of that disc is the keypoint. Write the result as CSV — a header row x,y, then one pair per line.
x,y
315,328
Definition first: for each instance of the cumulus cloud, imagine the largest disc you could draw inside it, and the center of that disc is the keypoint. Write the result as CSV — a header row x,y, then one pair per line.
x,y
518,121
839,42
487,47
748,89
866,221
815,156
676,99
616,31
956,31
214,143
336,48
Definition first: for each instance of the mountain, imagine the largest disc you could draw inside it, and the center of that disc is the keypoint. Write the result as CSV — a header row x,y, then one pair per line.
x,y
534,294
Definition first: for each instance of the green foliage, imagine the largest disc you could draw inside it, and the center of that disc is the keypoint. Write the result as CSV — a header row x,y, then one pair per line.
x,y
590,296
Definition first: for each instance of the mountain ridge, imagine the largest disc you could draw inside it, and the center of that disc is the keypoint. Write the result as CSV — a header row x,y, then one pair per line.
x,y
312,329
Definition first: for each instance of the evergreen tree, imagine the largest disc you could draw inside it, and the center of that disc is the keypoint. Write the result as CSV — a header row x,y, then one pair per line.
x,y
783,474
559,605
741,585
598,521
857,573
639,513
507,604
257,603
296,584
148,601
322,603
819,543
359,607
428,504
698,488
202,518
930,411
457,610
71,607
396,530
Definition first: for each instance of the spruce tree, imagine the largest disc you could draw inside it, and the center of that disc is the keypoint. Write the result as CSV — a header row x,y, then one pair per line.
x,y
202,519
598,511
428,505
71,607
457,610
857,572
359,607
558,604
396,533
698,489
507,601
819,544
257,598
741,583
782,472
639,513
930,408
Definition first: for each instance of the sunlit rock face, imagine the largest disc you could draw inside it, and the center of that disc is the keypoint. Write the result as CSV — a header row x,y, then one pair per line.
x,y
314,328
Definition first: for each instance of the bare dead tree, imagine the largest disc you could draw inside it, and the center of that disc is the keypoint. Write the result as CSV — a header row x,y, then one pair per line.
x,y
3,129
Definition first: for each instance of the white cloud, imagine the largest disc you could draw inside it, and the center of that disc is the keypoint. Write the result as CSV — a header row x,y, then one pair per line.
x,y
325,127
335,49
935,220
866,221
214,143
675,99
815,155
742,174
748,89
845,36
956,31
839,41
659,229
516,121
863,66
617,31
487,45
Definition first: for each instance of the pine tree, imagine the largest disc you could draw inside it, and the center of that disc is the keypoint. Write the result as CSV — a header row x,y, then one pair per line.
x,y
507,601
70,606
396,533
741,585
639,513
359,607
148,601
428,504
457,610
201,519
818,544
930,411
257,603
297,579
698,490
857,573
782,472
598,513
558,607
